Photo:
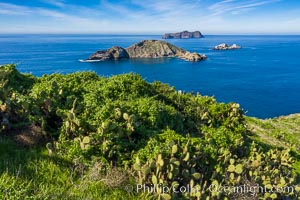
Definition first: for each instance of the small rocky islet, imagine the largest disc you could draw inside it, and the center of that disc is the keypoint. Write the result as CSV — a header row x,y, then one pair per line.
x,y
145,49
225,46
183,35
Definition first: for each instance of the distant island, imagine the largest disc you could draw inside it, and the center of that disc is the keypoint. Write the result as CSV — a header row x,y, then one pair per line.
x,y
183,35
145,49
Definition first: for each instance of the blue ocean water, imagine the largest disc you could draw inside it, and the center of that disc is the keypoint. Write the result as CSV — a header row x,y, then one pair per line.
x,y
263,76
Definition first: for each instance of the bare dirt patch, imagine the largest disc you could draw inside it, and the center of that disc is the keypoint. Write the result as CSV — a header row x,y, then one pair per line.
x,y
29,136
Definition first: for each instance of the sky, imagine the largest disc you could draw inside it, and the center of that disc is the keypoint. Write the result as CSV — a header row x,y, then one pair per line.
x,y
150,16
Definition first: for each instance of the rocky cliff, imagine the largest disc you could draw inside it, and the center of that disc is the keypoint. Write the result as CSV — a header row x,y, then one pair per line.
x,y
145,49
183,35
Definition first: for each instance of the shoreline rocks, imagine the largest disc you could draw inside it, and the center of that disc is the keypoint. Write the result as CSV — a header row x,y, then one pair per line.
x,y
225,46
145,49
183,35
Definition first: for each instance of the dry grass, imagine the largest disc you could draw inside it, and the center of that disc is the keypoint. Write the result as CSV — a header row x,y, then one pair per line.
x,y
111,177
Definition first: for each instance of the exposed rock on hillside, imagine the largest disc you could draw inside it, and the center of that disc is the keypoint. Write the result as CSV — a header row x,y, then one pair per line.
x,y
145,49
183,35
225,46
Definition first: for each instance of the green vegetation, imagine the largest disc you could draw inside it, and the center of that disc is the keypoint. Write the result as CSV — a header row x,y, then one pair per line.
x,y
282,131
81,136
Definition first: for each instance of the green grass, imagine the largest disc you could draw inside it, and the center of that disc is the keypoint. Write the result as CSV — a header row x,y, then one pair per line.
x,y
281,131
33,174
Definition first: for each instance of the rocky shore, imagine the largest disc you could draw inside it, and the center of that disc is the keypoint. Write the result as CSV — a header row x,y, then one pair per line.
x,y
145,49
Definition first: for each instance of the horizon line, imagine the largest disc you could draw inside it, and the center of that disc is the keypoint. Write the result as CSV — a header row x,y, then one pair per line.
x,y
136,33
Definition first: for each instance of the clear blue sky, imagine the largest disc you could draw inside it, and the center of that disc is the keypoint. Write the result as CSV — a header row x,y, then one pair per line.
x,y
150,16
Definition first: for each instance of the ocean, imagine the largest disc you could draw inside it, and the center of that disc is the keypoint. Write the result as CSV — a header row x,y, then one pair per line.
x,y
263,76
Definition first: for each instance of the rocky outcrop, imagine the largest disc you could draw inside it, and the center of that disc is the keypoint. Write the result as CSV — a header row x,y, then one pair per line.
x,y
145,49
114,53
183,35
153,49
195,57
224,46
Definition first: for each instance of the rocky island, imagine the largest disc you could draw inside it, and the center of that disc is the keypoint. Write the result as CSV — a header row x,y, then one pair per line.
x,y
145,49
225,46
183,35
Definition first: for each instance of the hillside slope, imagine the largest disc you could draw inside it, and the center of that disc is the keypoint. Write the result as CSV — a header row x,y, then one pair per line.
x,y
280,131
83,136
